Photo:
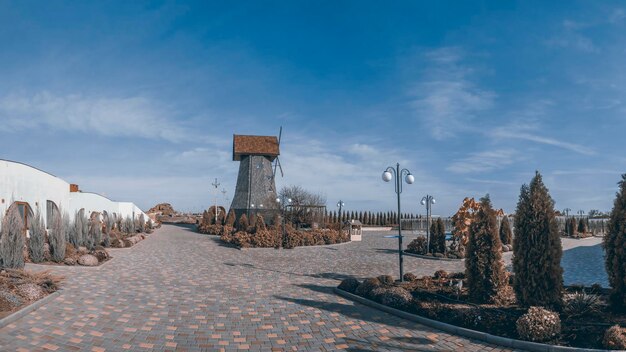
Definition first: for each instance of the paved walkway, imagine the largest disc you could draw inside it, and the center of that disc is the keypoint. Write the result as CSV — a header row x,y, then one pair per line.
x,y
181,291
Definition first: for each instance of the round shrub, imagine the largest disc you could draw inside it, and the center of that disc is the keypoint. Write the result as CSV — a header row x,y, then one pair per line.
x,y
440,274
349,285
410,277
396,297
417,246
538,325
366,287
377,293
614,338
386,280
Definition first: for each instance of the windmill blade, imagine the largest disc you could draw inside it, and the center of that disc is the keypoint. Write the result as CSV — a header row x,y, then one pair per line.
x,y
280,134
280,167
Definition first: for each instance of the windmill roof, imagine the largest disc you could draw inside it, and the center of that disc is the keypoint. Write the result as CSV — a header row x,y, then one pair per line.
x,y
255,145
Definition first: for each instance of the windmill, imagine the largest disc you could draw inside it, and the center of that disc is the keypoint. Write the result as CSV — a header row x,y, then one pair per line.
x,y
258,162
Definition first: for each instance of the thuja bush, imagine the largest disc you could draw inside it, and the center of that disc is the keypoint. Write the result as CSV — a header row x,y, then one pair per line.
x,y
582,226
94,237
75,233
484,267
614,248
230,219
106,233
438,237
37,238
141,224
56,238
12,240
85,229
149,226
506,235
570,227
128,226
537,248
259,224
243,223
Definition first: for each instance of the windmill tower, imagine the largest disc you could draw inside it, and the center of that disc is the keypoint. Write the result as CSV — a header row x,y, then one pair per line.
x,y
255,192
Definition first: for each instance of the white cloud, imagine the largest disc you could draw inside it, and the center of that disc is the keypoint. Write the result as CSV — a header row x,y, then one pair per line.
x,y
510,133
483,161
447,100
108,116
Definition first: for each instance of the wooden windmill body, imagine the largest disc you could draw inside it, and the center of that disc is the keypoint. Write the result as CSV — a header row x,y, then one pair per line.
x,y
255,192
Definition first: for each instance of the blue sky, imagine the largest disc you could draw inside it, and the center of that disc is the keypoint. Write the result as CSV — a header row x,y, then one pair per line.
x,y
139,100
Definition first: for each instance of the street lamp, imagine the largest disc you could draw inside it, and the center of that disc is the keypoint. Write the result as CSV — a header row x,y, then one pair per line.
x,y
282,202
428,201
388,175
340,205
215,184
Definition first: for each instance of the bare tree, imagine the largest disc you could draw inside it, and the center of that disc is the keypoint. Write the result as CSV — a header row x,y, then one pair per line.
x,y
306,207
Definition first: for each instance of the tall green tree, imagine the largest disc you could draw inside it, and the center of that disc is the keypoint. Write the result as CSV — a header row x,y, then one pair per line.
x,y
537,248
438,236
506,235
484,267
614,248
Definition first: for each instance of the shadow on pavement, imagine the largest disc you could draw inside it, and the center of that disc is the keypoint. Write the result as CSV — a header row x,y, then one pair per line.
x,y
584,265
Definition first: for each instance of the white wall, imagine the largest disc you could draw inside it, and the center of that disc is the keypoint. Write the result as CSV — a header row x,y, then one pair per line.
x,y
20,182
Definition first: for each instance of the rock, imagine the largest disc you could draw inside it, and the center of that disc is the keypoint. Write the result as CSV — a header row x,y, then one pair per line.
x,y
82,250
117,243
9,301
88,260
69,261
30,291
101,254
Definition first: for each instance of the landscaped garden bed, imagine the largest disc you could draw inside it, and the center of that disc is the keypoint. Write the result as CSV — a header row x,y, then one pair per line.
x,y
261,235
20,288
584,319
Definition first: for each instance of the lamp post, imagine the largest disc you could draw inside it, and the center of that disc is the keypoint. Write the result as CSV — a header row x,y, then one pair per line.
x,y
215,184
282,202
340,205
428,201
566,211
389,175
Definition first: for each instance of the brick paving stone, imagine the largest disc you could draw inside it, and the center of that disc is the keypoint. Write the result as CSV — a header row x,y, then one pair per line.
x,y
182,291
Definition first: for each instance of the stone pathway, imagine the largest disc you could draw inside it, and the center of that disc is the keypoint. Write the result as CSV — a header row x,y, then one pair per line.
x,y
181,291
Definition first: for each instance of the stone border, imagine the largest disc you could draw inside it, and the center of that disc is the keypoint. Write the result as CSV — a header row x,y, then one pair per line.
x,y
432,258
464,332
29,308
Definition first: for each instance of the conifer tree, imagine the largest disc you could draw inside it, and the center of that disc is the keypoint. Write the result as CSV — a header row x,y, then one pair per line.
x,y
438,236
243,223
582,226
614,247
506,235
230,219
484,267
537,248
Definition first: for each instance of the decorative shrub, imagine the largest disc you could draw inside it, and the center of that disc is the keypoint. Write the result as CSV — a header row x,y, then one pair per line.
x,y
56,237
243,223
12,240
484,267
438,237
149,226
230,218
410,277
94,233
582,226
440,274
538,325
259,223
141,224
349,285
580,304
396,297
107,222
366,287
615,255
417,246
76,235
614,338
506,235
537,248
570,227
37,238
386,280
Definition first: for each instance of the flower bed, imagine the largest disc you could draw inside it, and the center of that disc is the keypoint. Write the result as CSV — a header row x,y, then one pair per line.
x,y
19,288
583,321
273,238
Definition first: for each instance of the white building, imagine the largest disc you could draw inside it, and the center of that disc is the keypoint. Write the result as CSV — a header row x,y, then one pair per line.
x,y
30,189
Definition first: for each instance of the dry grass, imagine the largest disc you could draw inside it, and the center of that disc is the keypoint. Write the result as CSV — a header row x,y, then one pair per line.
x,y
11,278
